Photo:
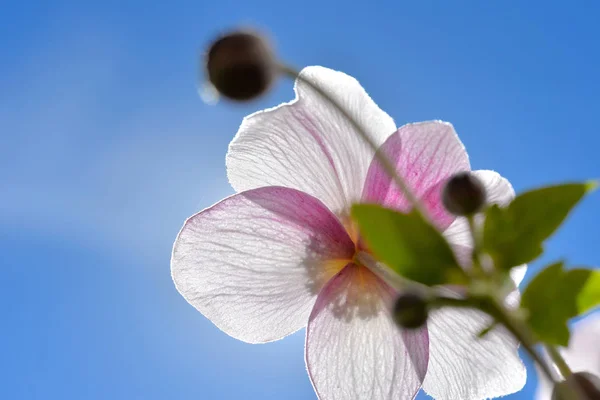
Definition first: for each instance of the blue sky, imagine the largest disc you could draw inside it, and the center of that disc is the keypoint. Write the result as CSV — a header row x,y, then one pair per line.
x,y
107,148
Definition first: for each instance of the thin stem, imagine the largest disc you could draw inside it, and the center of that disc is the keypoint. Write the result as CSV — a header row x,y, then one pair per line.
x,y
382,271
389,276
561,364
565,371
519,329
443,301
387,165
477,267
474,234
557,375
521,333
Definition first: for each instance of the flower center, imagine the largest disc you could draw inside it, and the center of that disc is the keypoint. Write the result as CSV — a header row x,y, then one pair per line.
x,y
330,268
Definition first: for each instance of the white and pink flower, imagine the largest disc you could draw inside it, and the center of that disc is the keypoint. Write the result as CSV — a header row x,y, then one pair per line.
x,y
278,256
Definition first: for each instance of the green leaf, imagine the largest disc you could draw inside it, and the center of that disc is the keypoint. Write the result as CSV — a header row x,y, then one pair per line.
x,y
556,295
514,235
586,283
548,320
408,244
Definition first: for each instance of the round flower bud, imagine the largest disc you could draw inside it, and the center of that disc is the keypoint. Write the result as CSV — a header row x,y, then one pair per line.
x,y
463,194
410,310
241,65
589,385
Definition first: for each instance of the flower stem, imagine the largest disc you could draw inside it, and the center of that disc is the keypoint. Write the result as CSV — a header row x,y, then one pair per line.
x,y
565,371
383,271
474,233
387,165
521,332
560,363
496,309
476,237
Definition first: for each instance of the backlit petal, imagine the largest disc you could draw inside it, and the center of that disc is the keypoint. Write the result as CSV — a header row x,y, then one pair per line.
x,y
498,189
583,353
518,273
426,154
463,366
308,144
354,350
254,263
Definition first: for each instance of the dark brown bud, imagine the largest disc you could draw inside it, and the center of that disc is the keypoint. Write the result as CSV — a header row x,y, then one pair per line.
x,y
410,310
241,65
589,385
463,194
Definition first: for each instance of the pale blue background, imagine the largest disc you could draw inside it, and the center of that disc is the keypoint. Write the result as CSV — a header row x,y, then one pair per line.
x,y
106,148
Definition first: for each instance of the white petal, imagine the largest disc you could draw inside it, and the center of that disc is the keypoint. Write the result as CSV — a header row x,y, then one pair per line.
x,y
518,273
354,350
582,355
308,144
499,191
254,263
458,233
463,366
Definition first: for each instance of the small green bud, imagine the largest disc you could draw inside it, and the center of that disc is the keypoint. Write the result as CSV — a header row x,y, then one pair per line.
x,y
241,65
410,310
588,383
463,194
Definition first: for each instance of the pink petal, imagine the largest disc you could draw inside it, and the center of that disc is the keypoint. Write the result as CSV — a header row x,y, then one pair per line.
x,y
308,144
354,350
426,154
254,263
463,366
